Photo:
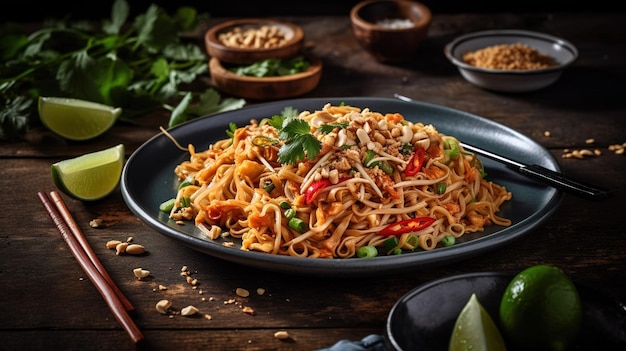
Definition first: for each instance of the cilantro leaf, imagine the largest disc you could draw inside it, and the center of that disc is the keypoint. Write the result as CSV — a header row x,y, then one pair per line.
x,y
14,117
311,145
290,112
208,102
119,15
299,142
273,67
327,128
293,127
276,121
178,114
297,149
290,153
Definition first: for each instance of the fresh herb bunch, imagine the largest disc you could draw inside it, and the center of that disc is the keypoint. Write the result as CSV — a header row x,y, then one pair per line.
x,y
139,66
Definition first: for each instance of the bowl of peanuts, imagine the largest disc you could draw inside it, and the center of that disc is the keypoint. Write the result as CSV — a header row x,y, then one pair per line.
x,y
261,59
510,60
249,40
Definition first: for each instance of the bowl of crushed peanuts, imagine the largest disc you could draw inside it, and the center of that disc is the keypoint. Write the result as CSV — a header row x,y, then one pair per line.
x,y
511,60
249,40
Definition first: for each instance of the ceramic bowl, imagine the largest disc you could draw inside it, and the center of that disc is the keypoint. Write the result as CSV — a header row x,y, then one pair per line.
x,y
390,30
247,53
511,80
423,319
266,88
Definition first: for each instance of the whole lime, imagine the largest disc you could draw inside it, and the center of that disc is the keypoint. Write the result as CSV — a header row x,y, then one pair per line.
x,y
541,309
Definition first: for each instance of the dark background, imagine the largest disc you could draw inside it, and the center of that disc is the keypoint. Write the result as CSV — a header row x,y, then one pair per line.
x,y
31,11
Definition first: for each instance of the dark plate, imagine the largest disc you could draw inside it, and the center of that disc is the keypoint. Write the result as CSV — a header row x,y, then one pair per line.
x,y
148,179
424,318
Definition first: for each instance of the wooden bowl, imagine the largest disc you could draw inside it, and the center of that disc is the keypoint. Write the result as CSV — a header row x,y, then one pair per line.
x,y
265,88
291,45
390,30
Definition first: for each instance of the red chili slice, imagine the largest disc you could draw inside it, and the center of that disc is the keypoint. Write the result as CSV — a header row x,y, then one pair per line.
x,y
407,226
316,187
416,162
214,214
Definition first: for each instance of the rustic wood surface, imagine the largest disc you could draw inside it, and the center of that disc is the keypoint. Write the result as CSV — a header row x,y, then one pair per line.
x,y
47,302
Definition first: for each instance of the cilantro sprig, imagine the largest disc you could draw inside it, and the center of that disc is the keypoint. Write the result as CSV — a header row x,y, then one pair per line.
x,y
299,143
139,65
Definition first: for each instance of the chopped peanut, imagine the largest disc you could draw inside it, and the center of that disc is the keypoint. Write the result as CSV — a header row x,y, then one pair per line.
x,y
263,37
281,334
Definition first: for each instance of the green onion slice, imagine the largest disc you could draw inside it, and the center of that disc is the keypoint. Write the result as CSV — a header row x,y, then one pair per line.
x,y
366,252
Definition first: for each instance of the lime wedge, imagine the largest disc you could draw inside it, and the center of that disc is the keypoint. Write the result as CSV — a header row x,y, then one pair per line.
x,y
475,330
76,119
91,176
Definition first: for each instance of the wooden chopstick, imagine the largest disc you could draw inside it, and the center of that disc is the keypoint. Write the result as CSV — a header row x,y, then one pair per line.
x,y
104,287
80,237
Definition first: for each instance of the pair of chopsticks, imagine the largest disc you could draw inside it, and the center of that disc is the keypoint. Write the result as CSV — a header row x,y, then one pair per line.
x,y
84,254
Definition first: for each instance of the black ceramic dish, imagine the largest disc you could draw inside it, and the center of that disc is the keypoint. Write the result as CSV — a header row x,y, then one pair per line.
x,y
424,318
148,180
511,81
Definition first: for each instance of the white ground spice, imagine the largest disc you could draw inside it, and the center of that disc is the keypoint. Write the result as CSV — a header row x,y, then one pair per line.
x,y
395,23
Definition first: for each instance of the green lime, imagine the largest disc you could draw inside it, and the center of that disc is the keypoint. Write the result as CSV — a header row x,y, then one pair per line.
x,y
475,330
75,119
91,176
541,309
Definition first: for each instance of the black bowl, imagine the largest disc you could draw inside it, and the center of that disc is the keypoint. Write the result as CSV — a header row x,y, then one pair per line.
x,y
424,318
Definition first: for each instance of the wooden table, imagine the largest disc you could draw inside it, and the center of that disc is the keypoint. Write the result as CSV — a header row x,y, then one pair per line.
x,y
48,303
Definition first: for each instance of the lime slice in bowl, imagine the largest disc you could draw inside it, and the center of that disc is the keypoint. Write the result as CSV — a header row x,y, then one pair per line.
x,y
475,330
75,119
91,176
